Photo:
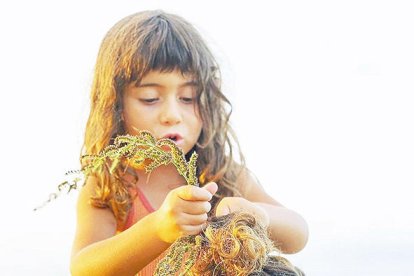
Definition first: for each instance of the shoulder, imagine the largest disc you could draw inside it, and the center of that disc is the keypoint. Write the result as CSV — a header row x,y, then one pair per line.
x,y
87,192
251,189
89,216
85,208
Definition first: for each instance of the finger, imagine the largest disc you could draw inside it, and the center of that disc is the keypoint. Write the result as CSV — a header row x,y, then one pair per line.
x,y
222,210
196,208
187,219
211,187
191,229
193,193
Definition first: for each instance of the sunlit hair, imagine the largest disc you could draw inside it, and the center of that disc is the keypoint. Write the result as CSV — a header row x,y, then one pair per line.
x,y
136,45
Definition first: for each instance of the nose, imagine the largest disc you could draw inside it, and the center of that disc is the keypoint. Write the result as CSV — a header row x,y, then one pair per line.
x,y
170,113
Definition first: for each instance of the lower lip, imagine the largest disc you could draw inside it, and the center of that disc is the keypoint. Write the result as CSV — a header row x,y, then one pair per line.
x,y
179,142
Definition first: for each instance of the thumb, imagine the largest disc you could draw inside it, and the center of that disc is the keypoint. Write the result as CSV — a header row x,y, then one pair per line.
x,y
222,209
211,187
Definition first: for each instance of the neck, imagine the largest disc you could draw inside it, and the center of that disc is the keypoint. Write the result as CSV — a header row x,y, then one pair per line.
x,y
161,177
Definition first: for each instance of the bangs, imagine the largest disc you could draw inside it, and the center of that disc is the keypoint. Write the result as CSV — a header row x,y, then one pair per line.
x,y
167,46
170,50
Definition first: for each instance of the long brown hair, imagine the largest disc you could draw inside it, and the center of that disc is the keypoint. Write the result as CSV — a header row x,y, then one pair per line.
x,y
136,45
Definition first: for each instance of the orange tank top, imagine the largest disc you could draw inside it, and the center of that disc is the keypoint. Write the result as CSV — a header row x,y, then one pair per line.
x,y
139,209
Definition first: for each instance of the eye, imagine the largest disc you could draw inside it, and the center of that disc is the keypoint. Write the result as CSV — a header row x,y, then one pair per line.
x,y
187,100
148,100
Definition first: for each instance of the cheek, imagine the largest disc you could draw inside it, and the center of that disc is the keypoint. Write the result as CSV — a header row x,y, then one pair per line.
x,y
200,123
197,119
195,116
133,111
133,121
129,125
198,127
195,112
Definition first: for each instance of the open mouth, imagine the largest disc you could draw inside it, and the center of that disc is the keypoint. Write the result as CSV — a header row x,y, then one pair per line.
x,y
173,137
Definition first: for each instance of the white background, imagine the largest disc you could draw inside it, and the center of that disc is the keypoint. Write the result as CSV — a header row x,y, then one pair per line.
x,y
323,106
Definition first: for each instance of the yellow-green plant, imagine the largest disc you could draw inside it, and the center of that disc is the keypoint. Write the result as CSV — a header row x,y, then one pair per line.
x,y
142,150
145,151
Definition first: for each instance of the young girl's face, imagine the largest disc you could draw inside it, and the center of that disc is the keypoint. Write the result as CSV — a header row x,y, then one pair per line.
x,y
164,104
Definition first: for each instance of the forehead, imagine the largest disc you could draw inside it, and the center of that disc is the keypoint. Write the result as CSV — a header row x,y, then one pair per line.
x,y
174,76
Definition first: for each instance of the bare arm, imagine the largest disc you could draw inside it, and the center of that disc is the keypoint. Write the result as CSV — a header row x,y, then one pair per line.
x,y
98,251
287,228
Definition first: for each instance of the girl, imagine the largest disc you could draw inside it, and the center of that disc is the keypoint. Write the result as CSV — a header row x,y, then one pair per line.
x,y
154,72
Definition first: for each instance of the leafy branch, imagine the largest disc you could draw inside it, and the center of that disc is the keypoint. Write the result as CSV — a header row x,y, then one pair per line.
x,y
138,151
144,151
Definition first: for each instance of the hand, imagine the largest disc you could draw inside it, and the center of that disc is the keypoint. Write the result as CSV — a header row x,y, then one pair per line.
x,y
234,204
184,211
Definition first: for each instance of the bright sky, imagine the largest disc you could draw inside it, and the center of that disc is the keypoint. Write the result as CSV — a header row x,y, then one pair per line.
x,y
323,98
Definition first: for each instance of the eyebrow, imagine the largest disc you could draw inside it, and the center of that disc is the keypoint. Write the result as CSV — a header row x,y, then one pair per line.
x,y
154,84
